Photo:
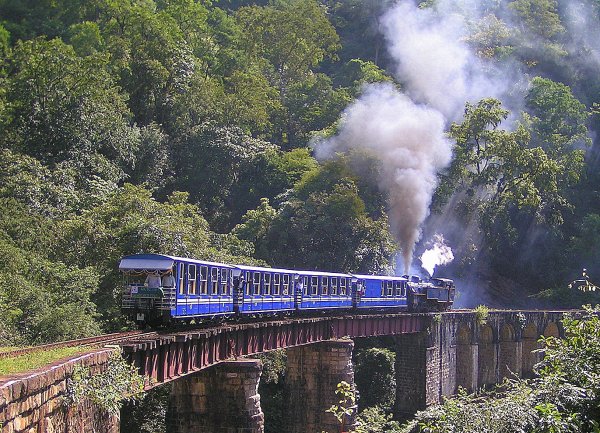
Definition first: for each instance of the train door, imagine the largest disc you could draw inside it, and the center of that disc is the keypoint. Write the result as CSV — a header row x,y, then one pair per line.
x,y
225,295
267,291
179,289
203,283
277,296
213,290
192,297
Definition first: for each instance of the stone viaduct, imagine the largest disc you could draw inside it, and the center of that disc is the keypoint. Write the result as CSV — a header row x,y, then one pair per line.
x,y
215,384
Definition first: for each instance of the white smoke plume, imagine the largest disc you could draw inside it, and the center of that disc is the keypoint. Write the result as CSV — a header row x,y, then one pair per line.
x,y
434,61
405,131
437,255
409,141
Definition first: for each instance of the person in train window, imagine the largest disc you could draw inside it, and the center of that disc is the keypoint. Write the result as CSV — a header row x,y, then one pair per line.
x,y
168,280
153,280
299,286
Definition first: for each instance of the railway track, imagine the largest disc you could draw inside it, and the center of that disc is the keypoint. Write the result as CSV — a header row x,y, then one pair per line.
x,y
90,341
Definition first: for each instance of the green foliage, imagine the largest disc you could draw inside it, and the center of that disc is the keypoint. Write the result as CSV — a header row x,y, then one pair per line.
x,y
67,109
32,361
375,420
375,378
346,403
322,225
108,389
482,313
274,365
148,413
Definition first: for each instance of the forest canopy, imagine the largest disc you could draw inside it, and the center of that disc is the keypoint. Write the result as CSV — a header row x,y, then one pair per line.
x,y
196,127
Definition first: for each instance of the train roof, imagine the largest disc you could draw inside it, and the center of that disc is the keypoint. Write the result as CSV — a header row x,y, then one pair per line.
x,y
380,277
260,268
161,262
324,274
291,271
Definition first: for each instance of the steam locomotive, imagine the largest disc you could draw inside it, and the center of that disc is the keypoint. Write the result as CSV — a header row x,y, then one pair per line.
x,y
162,289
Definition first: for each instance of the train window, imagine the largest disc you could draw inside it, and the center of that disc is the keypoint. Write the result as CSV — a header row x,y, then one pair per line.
x,y
342,286
404,288
305,285
181,280
390,288
267,284
256,282
192,279
203,280
334,285
314,285
382,288
276,284
225,281
214,281
324,285
248,281
286,284
398,288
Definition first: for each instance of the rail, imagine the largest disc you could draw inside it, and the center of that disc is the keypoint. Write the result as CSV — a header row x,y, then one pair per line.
x,y
89,341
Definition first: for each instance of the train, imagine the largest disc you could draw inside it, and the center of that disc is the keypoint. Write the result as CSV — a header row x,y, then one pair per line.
x,y
162,289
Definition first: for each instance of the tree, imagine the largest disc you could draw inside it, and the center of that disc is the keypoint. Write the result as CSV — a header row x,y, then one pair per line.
x,y
294,37
66,109
539,16
322,225
211,163
375,379
558,119
132,221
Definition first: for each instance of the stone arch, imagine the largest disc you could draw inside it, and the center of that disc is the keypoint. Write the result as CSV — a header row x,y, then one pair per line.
x,y
487,359
510,351
529,346
466,359
551,330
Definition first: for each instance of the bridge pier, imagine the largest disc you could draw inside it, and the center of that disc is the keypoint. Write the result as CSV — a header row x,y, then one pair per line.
x,y
313,373
425,368
220,399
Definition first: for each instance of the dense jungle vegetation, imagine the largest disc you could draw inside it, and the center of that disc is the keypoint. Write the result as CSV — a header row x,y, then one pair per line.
x,y
186,127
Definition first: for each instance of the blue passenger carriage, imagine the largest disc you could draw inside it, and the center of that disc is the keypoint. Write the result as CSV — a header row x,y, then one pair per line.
x,y
160,287
324,290
264,290
374,291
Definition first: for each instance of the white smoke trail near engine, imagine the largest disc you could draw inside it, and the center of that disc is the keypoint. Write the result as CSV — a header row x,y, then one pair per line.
x,y
439,73
438,254
409,141
434,61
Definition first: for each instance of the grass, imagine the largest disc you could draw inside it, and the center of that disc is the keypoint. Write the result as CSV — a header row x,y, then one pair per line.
x,y
31,361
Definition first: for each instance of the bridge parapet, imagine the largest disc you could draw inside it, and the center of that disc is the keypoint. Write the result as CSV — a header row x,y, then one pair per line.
x,y
35,401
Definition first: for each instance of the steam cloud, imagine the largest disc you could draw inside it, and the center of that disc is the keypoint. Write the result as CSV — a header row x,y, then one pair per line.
x,y
439,72
438,254
409,141
435,63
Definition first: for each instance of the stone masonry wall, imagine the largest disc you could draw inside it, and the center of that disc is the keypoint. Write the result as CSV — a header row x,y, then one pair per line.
x,y
35,402
220,399
313,373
